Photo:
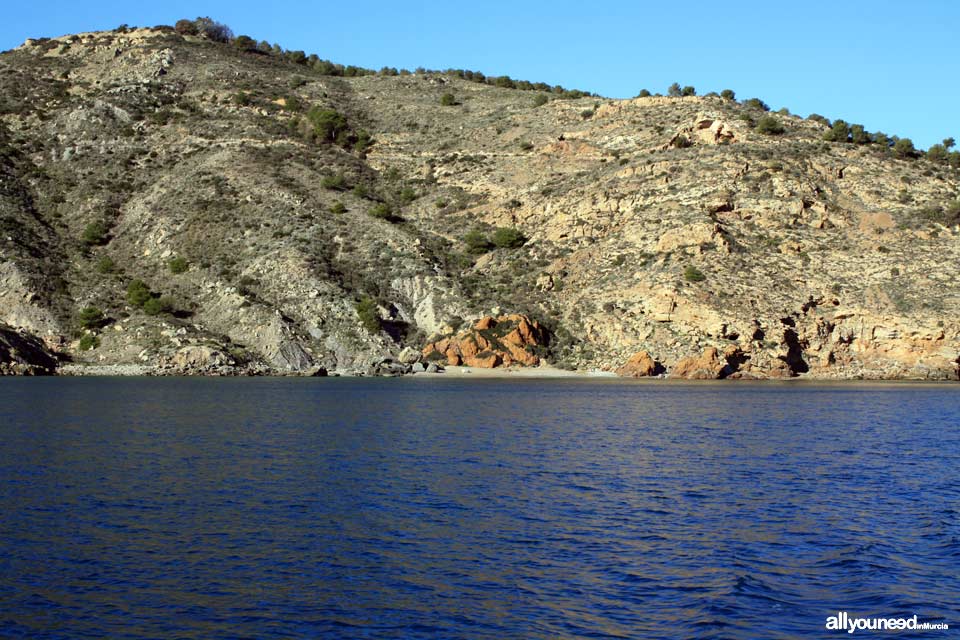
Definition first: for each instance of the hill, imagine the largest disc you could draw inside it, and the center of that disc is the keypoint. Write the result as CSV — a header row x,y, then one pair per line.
x,y
195,206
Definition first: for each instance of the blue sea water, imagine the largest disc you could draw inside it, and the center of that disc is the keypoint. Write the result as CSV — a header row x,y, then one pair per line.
x,y
441,508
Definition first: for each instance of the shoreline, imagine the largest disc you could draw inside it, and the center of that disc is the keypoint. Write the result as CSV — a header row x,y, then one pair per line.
x,y
76,370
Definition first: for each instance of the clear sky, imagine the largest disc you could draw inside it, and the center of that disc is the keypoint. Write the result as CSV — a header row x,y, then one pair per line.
x,y
891,65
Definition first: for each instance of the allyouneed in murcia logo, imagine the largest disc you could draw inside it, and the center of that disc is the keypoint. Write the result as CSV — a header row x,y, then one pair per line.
x,y
843,621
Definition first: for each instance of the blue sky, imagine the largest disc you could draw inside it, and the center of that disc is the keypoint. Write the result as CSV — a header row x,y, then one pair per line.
x,y
892,66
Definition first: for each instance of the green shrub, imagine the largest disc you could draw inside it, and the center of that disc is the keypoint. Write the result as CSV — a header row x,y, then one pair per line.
x,y
477,242
728,94
526,145
688,91
337,207
106,265
508,238
674,90
770,126
407,195
241,99
540,100
89,341
586,114
368,314
138,293
156,306
91,318
839,132
938,153
328,124
644,93
441,203
95,233
448,100
363,142
381,211
178,265
336,182
903,148
692,274
756,103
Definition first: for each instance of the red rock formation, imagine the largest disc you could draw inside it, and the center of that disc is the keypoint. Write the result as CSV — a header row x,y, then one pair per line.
x,y
640,365
491,342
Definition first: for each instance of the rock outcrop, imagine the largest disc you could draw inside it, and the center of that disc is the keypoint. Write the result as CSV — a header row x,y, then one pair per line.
x,y
491,342
24,355
640,365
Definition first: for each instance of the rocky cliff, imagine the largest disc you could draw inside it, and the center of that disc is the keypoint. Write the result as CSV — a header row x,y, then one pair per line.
x,y
168,200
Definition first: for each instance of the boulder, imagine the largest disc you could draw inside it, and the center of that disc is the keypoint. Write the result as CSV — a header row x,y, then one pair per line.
x,y
640,365
485,360
706,366
409,355
197,357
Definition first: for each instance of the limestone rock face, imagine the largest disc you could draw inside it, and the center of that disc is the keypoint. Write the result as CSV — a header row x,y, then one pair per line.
x,y
197,359
24,354
491,342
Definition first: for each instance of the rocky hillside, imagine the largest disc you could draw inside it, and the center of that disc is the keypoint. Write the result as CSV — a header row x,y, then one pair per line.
x,y
163,196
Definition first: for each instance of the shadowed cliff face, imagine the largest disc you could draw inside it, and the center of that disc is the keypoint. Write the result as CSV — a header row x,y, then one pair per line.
x,y
288,220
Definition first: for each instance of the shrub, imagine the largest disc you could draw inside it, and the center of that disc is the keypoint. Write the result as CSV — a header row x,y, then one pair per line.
x,y
674,90
91,318
756,103
241,98
859,135
178,265
337,207
448,100
938,153
508,238
477,242
328,124
692,274
381,211
586,114
138,293
407,195
839,132
688,91
156,306
186,27
95,233
336,182
88,342
368,314
213,30
816,117
363,142
526,145
540,100
728,94
904,148
770,126
106,265
245,43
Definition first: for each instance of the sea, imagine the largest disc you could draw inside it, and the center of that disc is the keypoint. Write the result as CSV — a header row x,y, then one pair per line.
x,y
487,508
